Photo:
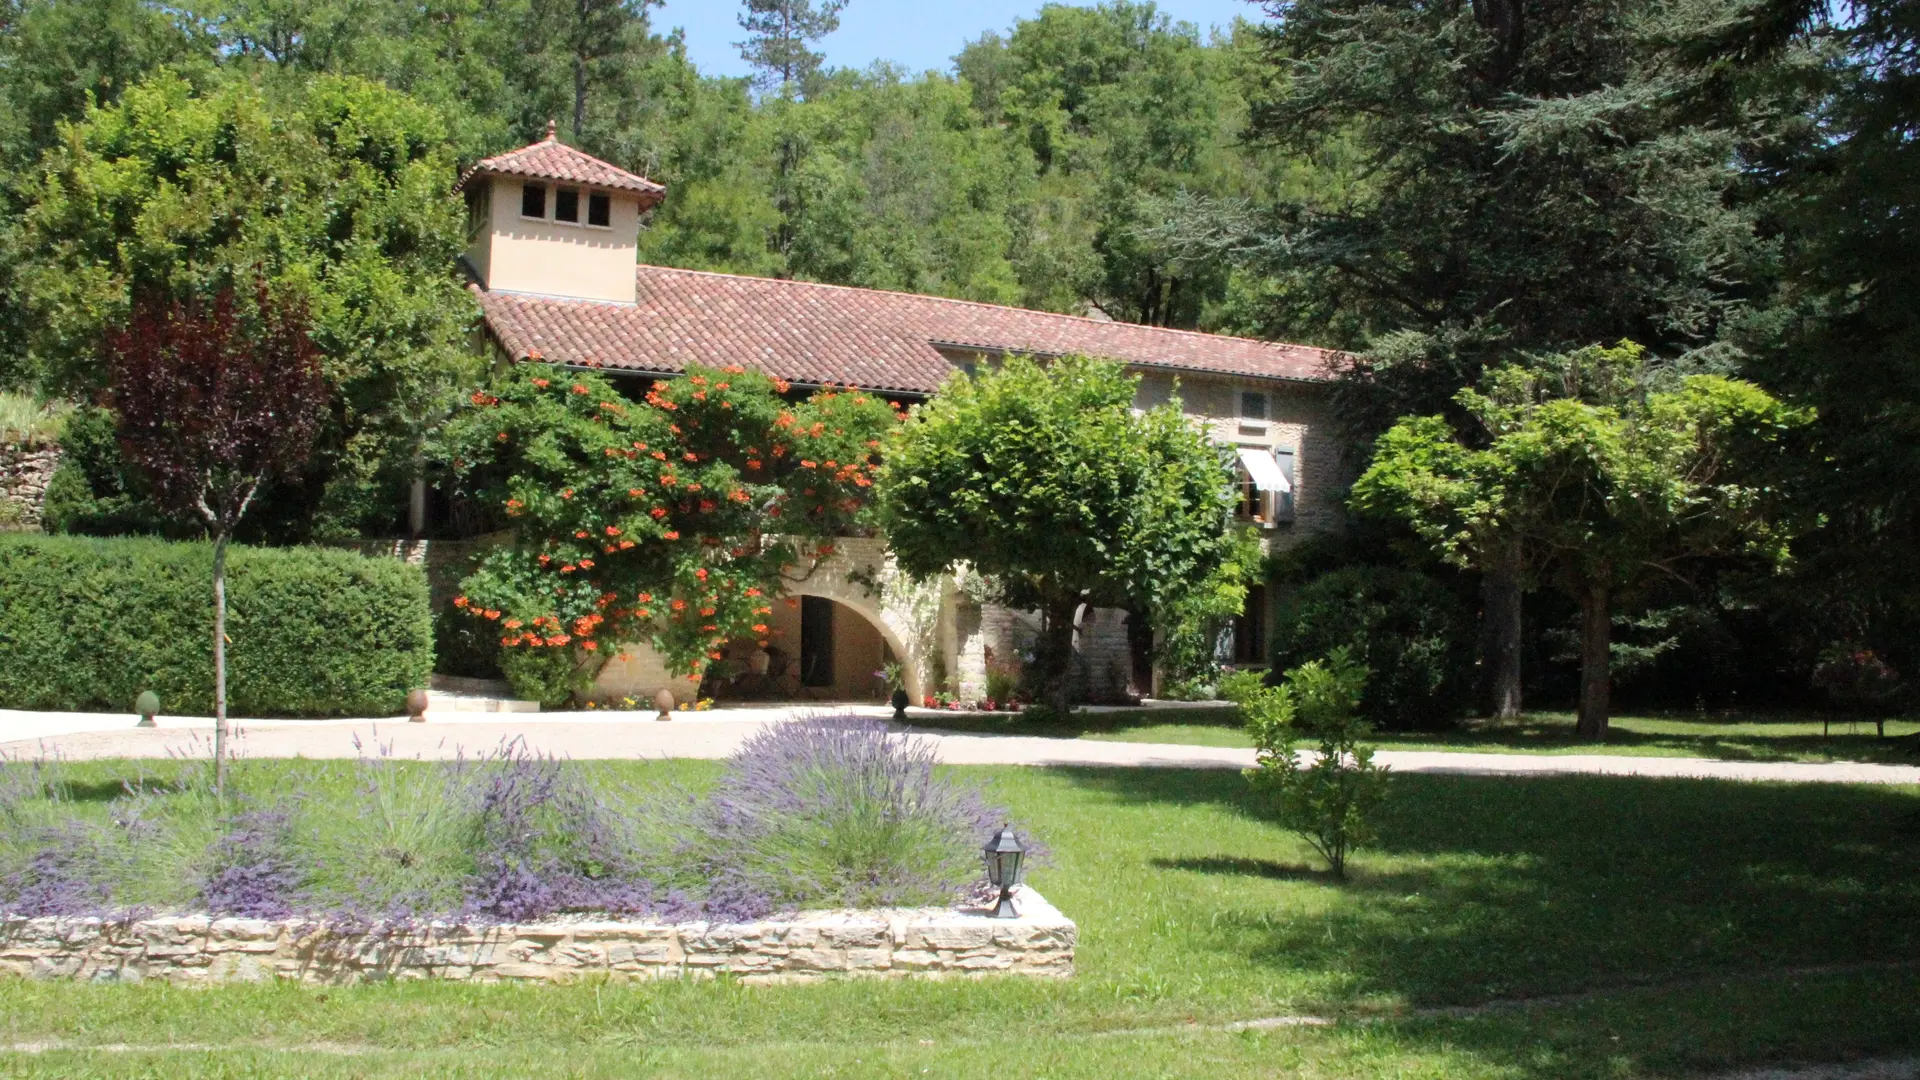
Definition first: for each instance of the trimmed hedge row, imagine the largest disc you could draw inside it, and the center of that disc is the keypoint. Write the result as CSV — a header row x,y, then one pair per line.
x,y
88,624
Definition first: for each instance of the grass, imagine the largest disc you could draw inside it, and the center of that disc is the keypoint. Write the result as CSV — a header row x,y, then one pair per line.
x,y
25,420
1726,737
1672,926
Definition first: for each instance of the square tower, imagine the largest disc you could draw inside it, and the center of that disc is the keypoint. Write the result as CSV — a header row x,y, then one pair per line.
x,y
548,220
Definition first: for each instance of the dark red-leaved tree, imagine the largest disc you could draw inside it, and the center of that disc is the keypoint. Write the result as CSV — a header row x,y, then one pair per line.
x,y
213,404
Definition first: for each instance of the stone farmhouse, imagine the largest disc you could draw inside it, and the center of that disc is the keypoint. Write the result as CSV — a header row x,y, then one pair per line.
x,y
553,237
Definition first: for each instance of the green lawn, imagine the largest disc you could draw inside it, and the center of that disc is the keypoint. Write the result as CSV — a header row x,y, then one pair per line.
x,y
1730,738
1685,918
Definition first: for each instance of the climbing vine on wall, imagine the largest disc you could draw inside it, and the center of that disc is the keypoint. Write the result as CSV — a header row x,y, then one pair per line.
x,y
665,520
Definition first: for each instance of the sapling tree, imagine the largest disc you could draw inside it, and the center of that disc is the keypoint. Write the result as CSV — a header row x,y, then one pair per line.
x,y
1046,480
213,404
1328,800
1603,484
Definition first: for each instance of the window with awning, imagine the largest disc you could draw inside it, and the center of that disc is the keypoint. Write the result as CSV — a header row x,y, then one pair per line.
x,y
1264,470
1266,485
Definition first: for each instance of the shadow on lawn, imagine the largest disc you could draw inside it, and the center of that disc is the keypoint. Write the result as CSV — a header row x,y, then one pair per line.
x,y
1262,868
107,790
1496,887
1080,722
1850,740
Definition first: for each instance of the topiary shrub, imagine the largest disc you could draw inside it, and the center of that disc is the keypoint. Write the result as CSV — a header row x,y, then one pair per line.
x,y
1412,632
89,623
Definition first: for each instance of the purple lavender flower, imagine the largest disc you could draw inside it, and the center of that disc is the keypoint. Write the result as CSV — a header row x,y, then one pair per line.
x,y
252,872
837,811
67,876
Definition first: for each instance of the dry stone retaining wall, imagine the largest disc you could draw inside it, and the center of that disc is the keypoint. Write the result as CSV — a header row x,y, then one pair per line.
x,y
196,949
25,472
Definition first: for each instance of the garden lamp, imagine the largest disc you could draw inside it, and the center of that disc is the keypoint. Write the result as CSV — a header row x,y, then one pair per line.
x,y
1003,854
146,705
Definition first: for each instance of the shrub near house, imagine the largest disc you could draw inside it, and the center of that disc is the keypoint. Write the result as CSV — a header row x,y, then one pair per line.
x,y
88,624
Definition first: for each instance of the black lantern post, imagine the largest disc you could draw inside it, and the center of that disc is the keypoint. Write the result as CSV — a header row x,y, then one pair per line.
x,y
1003,854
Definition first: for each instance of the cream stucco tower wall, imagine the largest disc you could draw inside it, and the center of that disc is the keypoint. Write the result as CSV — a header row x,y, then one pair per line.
x,y
512,252
548,220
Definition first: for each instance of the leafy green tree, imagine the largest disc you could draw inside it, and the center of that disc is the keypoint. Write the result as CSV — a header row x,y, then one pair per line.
x,y
587,59
1537,176
338,191
1045,480
57,58
94,491
1538,181
666,522
1604,487
1120,108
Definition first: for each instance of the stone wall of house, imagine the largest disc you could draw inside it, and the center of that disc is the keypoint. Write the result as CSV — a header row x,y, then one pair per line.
x,y
25,472
199,950
989,633
857,574
1304,421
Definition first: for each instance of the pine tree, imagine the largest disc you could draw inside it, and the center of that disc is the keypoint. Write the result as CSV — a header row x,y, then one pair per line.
x,y
778,35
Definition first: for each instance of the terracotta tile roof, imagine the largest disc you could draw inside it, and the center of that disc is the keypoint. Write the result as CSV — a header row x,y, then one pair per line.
x,y
551,159
808,333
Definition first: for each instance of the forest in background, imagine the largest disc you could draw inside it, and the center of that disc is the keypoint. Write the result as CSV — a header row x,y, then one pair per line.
x,y
1024,175
1438,188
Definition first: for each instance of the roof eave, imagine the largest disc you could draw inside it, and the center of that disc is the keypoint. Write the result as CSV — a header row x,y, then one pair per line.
x,y
649,197
997,350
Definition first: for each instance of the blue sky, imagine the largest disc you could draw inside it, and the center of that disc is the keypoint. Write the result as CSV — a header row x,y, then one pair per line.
x,y
918,34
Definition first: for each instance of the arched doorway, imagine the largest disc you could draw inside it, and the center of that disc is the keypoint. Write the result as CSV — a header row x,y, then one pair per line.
x,y
818,649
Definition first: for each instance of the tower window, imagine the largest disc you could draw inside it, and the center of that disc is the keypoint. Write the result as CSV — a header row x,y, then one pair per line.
x,y
566,205
600,210
533,200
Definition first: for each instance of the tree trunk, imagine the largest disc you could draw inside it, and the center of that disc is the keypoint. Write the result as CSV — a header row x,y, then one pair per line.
x,y
1139,653
220,664
1056,650
1501,635
1596,642
579,96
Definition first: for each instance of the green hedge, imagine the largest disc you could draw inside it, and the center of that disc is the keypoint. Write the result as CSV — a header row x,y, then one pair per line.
x,y
88,624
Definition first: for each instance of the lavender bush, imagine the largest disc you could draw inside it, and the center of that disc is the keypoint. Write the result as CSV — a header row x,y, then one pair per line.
x,y
63,873
829,812
253,872
835,812
402,846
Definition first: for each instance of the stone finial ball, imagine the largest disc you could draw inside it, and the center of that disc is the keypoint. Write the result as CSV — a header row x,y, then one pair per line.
x,y
417,706
663,701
